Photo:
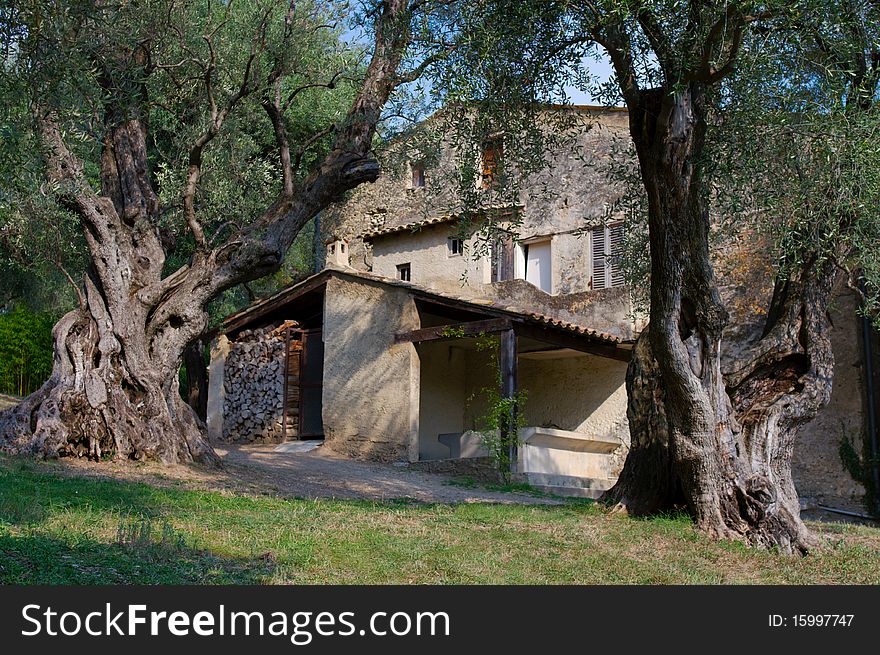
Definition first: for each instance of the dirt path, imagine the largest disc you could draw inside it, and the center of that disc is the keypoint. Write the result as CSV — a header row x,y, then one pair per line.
x,y
316,474
8,401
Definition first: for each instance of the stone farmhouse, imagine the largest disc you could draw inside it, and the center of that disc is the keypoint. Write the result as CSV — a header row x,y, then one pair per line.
x,y
382,353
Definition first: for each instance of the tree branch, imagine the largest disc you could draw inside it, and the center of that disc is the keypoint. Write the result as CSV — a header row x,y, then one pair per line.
x,y
217,118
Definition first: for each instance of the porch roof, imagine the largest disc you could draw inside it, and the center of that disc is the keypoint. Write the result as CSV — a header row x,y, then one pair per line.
x,y
485,306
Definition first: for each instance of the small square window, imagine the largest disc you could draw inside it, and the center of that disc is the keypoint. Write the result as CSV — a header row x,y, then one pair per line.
x,y
456,246
418,176
403,272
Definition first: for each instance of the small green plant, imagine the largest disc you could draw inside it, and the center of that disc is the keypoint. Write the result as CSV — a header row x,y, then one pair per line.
x,y
501,423
452,332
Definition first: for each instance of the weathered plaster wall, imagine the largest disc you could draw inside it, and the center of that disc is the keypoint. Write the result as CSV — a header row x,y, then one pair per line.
x,y
582,393
571,193
442,397
427,252
371,384
606,310
479,375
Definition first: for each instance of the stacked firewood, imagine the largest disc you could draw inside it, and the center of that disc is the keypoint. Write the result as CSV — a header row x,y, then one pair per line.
x,y
254,386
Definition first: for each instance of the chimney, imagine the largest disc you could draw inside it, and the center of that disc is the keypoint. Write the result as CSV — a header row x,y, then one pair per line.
x,y
337,253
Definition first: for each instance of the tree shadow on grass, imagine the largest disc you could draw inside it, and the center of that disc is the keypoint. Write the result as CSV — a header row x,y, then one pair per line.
x,y
40,559
35,548
29,494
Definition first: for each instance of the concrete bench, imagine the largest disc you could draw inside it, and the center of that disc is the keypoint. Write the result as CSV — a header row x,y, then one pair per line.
x,y
463,444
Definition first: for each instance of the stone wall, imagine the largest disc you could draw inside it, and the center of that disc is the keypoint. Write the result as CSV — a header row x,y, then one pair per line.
x,y
570,193
253,380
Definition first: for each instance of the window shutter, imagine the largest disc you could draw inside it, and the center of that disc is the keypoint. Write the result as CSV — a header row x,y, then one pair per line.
x,y
598,237
615,237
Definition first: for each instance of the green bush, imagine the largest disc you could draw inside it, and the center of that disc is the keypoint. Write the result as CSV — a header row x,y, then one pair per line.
x,y
25,350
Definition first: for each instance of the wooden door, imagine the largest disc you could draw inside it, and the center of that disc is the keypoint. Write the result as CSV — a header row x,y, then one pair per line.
x,y
304,371
311,384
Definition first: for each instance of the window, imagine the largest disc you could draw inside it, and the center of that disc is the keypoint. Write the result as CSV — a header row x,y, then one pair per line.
x,y
418,176
403,272
606,245
537,255
490,161
455,246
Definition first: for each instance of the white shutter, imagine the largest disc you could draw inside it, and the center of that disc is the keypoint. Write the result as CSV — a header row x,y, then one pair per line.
x,y
598,246
615,238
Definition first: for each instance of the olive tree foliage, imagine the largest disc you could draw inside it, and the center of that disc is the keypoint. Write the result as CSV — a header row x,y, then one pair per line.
x,y
42,244
792,152
716,441
796,144
473,99
188,144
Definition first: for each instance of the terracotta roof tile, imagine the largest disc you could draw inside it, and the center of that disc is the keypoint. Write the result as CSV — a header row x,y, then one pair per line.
x,y
477,302
408,227
482,303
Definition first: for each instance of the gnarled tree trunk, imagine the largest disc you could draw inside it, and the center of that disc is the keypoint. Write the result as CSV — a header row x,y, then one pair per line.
x,y
722,447
114,389
114,386
98,403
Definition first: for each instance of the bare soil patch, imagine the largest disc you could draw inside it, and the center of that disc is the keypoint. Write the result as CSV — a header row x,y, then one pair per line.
x,y
260,470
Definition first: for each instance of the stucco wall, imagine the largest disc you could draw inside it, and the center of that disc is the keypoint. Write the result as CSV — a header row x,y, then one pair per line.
x,y
582,393
442,396
427,252
606,310
371,384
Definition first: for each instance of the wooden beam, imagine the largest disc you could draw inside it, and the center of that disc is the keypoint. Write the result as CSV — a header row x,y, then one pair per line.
x,y
574,341
260,309
507,362
455,331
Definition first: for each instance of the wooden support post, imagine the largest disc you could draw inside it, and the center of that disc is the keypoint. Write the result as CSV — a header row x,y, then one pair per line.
x,y
507,361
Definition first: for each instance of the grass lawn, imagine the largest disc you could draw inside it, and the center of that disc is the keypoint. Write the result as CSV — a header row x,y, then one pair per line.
x,y
60,529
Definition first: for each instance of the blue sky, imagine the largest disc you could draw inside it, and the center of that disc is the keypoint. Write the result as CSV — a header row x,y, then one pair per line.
x,y
601,69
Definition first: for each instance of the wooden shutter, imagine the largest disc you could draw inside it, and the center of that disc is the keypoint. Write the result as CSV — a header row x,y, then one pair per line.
x,y
598,246
491,157
502,258
615,238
